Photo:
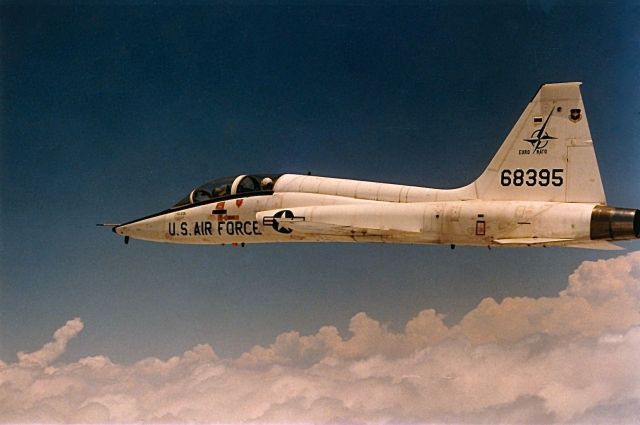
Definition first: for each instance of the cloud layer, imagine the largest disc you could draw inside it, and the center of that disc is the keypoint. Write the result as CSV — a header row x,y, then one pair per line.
x,y
570,358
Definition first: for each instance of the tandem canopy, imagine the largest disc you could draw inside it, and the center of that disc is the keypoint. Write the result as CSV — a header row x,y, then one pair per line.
x,y
225,187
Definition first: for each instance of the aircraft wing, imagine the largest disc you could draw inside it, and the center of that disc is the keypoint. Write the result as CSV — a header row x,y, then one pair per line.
x,y
532,241
343,220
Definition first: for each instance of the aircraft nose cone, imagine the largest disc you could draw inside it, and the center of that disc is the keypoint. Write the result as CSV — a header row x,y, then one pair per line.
x,y
151,228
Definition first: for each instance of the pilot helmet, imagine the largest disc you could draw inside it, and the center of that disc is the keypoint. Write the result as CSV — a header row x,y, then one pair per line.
x,y
266,183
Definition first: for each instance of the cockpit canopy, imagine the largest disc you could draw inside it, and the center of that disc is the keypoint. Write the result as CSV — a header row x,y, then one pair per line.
x,y
225,187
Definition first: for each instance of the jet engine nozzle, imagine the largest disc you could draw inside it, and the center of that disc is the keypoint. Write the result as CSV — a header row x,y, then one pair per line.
x,y
615,223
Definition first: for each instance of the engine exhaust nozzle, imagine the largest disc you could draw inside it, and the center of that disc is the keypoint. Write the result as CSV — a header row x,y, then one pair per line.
x,y
615,223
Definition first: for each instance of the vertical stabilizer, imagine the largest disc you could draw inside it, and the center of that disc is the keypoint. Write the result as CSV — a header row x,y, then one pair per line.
x,y
548,155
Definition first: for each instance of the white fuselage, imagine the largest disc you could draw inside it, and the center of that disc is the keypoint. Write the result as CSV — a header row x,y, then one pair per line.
x,y
354,211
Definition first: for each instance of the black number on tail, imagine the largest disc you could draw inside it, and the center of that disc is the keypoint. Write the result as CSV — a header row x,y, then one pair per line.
x,y
542,177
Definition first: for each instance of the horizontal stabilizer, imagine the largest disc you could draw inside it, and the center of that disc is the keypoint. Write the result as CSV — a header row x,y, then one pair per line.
x,y
601,245
570,243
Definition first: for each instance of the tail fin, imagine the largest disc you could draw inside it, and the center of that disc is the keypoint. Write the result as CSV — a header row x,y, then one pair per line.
x,y
548,155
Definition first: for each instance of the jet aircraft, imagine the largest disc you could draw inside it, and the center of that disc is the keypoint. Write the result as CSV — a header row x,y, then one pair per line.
x,y
542,188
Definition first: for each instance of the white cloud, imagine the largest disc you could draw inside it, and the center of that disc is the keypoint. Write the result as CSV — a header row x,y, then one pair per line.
x,y
570,358
54,349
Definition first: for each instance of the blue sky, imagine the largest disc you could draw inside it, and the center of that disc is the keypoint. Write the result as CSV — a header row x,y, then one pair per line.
x,y
113,112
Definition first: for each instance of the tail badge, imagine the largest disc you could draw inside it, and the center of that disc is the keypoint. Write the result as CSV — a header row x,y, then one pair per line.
x,y
576,115
539,140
